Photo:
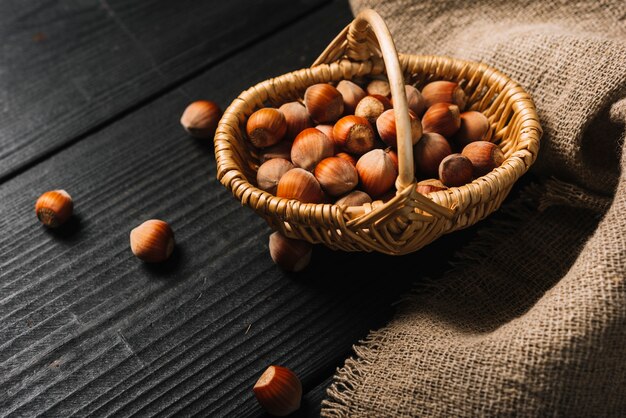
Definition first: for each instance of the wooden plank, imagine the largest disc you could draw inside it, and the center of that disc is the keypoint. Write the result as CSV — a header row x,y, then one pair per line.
x,y
69,67
88,329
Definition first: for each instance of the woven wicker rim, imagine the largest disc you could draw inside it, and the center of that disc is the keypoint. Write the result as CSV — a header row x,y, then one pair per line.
x,y
410,220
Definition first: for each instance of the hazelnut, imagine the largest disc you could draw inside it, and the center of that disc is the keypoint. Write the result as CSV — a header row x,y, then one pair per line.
x,y
336,176
354,198
200,118
428,153
354,134
278,390
428,186
455,170
380,87
266,127
352,95
270,173
310,147
152,241
349,158
414,99
474,127
444,92
485,156
371,107
297,119
386,126
442,118
323,102
280,150
377,172
301,185
54,208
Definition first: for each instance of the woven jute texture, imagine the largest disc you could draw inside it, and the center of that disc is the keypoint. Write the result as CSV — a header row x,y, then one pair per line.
x,y
531,319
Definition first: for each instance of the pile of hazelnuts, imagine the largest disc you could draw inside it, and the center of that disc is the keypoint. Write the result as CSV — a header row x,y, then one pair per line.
x,y
338,144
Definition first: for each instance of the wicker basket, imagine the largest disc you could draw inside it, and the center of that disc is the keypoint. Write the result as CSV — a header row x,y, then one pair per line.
x,y
409,220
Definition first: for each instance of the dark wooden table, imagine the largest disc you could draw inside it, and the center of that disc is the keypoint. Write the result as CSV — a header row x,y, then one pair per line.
x,y
91,93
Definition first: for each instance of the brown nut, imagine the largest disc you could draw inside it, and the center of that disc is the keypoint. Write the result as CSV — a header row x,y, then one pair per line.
x,y
352,95
428,186
455,170
266,127
386,126
444,92
270,173
297,119
310,147
380,87
336,176
323,102
152,241
428,153
354,134
278,391
301,185
371,107
349,158
485,156
200,118
354,198
442,118
474,127
377,172
280,150
288,253
54,208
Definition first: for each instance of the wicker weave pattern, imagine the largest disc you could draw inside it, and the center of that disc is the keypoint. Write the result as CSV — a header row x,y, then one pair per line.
x,y
410,220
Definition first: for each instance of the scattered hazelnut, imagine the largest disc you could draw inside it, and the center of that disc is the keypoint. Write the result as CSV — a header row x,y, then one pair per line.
x,y
278,390
288,253
152,241
200,118
54,208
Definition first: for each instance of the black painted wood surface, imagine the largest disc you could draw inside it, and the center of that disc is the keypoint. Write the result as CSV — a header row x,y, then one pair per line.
x,y
87,329
68,67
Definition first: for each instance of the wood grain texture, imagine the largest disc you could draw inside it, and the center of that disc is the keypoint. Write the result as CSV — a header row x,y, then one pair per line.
x,y
68,67
87,329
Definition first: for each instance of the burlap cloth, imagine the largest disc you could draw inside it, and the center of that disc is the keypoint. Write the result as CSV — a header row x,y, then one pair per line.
x,y
532,319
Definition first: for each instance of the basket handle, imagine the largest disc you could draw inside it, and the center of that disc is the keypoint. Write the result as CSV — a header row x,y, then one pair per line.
x,y
358,33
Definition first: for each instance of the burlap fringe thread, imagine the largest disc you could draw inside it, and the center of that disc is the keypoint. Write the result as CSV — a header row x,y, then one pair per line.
x,y
533,198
